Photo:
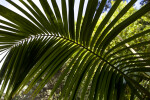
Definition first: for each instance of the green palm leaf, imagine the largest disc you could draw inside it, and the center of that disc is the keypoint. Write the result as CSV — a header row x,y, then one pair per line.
x,y
45,43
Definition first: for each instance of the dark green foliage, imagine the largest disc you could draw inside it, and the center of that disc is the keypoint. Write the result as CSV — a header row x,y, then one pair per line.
x,y
91,62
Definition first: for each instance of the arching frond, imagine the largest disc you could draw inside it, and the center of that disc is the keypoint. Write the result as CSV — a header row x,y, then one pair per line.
x,y
40,45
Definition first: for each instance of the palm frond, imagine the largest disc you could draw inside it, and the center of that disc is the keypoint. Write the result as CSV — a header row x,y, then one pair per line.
x,y
40,46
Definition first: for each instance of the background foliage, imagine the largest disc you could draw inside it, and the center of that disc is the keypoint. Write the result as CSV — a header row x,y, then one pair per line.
x,y
103,55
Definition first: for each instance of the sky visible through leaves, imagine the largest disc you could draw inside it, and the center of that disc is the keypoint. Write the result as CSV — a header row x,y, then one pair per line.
x,y
4,3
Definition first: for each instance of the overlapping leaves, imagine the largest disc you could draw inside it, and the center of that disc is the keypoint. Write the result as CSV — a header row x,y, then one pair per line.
x,y
42,46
